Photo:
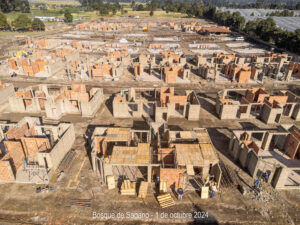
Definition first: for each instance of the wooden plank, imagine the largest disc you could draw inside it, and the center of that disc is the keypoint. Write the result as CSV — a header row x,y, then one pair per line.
x,y
204,192
165,200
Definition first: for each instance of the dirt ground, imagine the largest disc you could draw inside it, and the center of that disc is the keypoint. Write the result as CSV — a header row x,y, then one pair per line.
x,y
21,205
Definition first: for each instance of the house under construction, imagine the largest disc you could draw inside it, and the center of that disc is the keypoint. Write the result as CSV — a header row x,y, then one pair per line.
x,y
257,103
176,157
31,151
158,104
272,151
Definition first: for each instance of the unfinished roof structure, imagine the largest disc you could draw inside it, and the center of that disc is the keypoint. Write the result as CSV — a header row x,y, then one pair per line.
x,y
159,104
121,151
177,157
275,151
31,151
257,103
189,151
57,101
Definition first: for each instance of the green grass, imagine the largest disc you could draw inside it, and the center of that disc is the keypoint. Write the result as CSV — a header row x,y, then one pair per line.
x,y
157,14
71,3
58,12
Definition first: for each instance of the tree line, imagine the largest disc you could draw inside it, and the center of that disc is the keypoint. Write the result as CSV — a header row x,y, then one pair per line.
x,y
22,22
283,13
264,29
7,6
259,4
99,5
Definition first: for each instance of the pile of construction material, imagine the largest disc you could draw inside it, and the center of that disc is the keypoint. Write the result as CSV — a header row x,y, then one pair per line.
x,y
111,184
162,187
128,188
143,189
165,200
204,192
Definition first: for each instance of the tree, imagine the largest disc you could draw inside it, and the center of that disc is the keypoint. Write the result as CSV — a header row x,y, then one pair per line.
x,y
151,13
133,4
103,11
23,6
139,7
22,22
37,24
7,6
153,5
114,11
3,22
68,16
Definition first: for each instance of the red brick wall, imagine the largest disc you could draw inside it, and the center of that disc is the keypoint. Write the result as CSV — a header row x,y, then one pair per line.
x,y
173,177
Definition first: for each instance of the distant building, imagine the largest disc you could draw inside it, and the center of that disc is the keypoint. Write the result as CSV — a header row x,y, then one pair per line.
x,y
49,18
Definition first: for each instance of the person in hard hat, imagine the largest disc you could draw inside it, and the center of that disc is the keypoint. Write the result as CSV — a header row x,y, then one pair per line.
x,y
206,181
265,177
257,183
213,190
180,192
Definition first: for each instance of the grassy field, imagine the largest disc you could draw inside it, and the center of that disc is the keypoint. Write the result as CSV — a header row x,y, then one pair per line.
x,y
72,3
58,12
34,12
157,14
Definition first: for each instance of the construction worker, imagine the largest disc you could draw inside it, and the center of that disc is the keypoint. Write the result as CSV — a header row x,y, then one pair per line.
x,y
206,181
157,182
180,193
265,177
213,190
257,183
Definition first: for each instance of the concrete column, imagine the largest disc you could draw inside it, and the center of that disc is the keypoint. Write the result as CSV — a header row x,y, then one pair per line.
x,y
231,142
233,77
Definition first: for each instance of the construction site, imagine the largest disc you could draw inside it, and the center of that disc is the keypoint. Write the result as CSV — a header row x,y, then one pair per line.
x,y
149,121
